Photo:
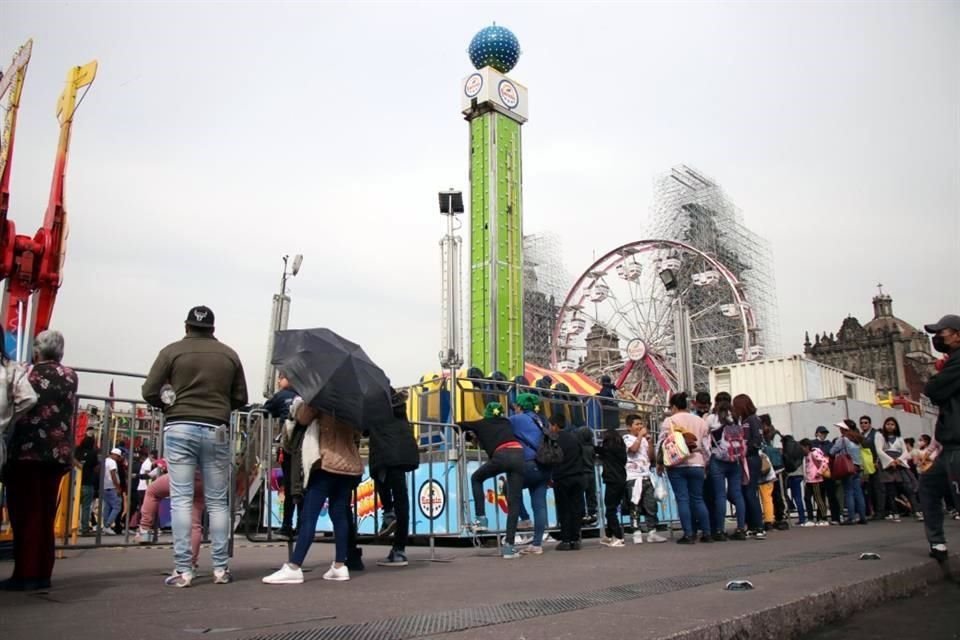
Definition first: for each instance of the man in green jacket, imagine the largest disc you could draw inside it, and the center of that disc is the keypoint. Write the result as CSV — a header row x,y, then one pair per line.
x,y
197,382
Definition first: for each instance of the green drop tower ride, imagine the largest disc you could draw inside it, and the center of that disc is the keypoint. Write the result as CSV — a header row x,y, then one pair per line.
x,y
495,107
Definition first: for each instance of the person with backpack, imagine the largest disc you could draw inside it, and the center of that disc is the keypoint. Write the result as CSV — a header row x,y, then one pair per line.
x,y
612,454
531,431
728,450
745,413
793,467
568,483
874,491
686,472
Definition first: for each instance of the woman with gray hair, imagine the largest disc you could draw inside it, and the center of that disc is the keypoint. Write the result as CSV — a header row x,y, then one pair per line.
x,y
40,454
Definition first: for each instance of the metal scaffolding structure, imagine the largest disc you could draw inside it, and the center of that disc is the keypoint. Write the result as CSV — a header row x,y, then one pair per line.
x,y
691,208
545,283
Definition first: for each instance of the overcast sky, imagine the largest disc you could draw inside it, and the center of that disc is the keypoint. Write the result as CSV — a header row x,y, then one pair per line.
x,y
218,137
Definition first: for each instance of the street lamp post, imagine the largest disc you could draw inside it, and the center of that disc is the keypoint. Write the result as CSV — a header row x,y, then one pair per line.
x,y
279,317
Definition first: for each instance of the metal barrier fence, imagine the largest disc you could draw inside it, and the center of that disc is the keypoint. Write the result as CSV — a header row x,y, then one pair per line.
x,y
440,490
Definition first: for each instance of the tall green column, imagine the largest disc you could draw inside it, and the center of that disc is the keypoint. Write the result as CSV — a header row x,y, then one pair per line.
x,y
496,244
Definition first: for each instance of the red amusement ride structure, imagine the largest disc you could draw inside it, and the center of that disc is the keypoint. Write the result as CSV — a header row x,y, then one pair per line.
x,y
33,266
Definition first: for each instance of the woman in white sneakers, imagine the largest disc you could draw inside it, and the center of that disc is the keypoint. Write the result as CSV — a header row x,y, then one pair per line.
x,y
330,469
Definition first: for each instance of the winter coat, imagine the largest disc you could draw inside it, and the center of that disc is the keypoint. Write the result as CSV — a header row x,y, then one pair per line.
x,y
392,446
325,443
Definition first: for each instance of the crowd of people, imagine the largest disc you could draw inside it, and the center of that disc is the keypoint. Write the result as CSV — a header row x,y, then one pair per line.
x,y
715,456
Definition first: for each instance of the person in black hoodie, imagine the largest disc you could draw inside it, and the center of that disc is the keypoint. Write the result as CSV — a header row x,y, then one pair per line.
x,y
393,453
612,453
940,475
568,484
505,455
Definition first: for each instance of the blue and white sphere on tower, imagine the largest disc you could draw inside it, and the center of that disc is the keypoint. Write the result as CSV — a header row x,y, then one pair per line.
x,y
495,47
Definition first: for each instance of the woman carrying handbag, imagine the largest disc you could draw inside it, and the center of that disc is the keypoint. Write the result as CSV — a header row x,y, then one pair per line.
x,y
846,466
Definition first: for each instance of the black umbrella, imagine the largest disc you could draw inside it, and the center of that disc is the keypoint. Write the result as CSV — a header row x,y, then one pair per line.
x,y
333,375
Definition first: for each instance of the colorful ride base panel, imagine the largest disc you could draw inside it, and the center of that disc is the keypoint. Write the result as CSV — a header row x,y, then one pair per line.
x,y
496,244
435,499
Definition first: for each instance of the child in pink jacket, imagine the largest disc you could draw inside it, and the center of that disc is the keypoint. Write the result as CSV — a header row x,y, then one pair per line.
x,y
816,466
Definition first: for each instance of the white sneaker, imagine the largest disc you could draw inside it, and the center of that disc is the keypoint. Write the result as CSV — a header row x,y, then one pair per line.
x,y
339,575
532,551
808,524
285,575
108,532
653,536
823,523
606,541
637,537
548,538
617,543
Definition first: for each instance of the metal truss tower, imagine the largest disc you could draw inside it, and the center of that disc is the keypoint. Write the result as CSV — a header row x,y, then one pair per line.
x,y
691,208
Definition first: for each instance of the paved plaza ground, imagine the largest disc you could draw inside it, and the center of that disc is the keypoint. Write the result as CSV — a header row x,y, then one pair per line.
x,y
801,577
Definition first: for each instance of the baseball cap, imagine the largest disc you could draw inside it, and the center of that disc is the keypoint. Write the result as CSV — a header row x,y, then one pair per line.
x,y
946,322
116,452
823,429
201,316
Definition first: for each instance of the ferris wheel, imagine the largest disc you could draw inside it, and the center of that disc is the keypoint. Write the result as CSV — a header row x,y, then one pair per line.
x,y
654,315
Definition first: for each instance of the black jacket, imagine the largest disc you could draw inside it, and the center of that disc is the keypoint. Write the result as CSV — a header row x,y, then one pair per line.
x,y
753,434
392,446
278,405
612,453
572,463
491,433
585,434
943,389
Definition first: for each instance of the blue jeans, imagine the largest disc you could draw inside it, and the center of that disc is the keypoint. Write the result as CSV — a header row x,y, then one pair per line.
x,y
186,447
687,483
751,495
535,479
112,506
324,486
86,501
727,478
796,494
853,497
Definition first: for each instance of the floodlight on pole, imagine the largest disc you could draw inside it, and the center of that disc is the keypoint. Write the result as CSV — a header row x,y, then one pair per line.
x,y
279,317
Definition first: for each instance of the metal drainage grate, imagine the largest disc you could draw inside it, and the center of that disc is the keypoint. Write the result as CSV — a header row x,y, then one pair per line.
x,y
435,623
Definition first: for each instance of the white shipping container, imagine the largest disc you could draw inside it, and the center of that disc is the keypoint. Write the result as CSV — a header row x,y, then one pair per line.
x,y
801,419
776,381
